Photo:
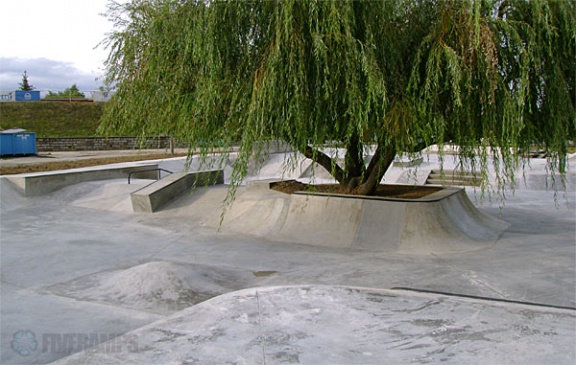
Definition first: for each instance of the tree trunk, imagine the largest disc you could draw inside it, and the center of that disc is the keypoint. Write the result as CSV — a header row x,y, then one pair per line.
x,y
367,180
325,161
383,158
354,159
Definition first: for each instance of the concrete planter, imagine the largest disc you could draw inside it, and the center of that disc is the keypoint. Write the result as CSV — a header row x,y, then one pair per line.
x,y
442,222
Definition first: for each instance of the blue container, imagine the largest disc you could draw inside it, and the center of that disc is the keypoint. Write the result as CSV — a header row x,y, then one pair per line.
x,y
21,143
6,144
27,95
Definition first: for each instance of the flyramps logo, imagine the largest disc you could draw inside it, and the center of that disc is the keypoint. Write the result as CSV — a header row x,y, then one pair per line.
x,y
24,342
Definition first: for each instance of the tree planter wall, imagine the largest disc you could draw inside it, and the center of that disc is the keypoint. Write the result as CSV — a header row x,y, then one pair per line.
x,y
442,222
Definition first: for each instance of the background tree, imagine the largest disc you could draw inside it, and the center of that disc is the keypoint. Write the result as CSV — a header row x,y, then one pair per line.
x,y
25,85
494,77
69,93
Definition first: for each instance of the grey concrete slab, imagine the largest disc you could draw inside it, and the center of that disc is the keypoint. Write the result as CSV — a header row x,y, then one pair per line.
x,y
313,325
76,264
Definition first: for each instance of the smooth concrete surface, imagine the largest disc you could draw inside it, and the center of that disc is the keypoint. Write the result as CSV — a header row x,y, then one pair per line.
x,y
154,196
80,269
343,325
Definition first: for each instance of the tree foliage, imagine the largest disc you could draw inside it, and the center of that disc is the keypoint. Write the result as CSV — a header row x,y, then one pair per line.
x,y
494,77
25,84
68,93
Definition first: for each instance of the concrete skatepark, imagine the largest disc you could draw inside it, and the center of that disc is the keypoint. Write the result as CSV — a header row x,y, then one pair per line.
x,y
86,280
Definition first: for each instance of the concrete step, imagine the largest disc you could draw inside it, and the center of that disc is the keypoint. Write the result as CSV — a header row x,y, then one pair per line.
x,y
454,177
451,182
465,178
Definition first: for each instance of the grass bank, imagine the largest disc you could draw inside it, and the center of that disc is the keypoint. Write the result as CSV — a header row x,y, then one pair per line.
x,y
52,119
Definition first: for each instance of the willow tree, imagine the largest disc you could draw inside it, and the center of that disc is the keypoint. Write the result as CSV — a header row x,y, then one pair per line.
x,y
494,77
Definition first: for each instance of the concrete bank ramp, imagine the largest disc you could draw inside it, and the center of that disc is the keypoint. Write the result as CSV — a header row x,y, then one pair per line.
x,y
114,195
345,325
442,222
109,195
11,197
41,183
277,165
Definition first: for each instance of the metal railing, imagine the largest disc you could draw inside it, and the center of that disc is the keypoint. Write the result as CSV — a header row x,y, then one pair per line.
x,y
148,170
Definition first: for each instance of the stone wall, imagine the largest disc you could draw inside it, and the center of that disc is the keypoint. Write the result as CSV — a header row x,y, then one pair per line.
x,y
98,144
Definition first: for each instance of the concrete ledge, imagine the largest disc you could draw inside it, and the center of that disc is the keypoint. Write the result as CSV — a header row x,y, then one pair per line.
x,y
431,197
152,197
46,182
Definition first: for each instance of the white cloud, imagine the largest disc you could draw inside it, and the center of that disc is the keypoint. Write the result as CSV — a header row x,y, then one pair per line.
x,y
45,74
55,41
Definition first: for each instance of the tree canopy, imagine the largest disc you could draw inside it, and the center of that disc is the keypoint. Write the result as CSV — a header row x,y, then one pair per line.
x,y
68,93
25,84
495,77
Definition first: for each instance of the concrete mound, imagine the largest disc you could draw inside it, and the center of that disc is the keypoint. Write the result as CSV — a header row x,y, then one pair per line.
x,y
161,287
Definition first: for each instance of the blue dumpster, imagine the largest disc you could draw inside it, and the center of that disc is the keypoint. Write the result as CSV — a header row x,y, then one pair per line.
x,y
17,142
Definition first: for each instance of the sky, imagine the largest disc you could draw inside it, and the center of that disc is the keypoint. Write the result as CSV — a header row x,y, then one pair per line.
x,y
55,41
